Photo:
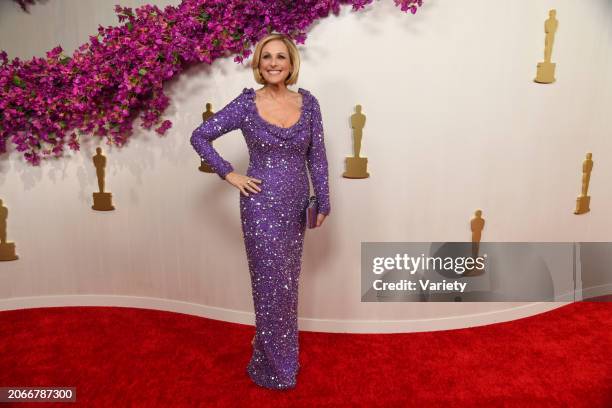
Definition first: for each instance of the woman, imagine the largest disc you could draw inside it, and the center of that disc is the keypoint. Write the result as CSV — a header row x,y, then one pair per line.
x,y
284,135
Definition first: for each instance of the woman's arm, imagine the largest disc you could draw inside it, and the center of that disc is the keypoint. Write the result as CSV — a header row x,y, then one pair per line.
x,y
316,159
227,119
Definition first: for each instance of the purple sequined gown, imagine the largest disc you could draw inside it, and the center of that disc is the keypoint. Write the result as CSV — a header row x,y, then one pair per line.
x,y
273,220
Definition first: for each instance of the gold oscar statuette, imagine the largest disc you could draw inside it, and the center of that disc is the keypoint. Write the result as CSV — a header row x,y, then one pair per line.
x,y
356,167
102,200
205,116
546,69
477,225
7,249
583,201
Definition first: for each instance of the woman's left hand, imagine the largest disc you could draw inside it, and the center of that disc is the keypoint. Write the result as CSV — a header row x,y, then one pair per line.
x,y
320,219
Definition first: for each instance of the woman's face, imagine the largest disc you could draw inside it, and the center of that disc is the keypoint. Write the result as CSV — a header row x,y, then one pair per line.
x,y
274,63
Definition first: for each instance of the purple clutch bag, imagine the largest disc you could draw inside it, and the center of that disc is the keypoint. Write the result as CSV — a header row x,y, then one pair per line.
x,y
311,212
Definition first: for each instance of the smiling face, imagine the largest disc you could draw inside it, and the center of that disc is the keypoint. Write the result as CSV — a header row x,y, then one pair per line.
x,y
274,63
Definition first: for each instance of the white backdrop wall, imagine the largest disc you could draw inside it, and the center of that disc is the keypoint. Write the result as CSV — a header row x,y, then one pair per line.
x,y
454,123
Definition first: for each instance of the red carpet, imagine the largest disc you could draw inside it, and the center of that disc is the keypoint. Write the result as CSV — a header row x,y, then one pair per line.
x,y
119,357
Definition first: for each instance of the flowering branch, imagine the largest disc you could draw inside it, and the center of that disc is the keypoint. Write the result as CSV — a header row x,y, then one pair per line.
x,y
120,72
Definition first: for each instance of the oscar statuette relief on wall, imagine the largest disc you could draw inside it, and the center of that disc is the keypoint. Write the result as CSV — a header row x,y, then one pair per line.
x,y
546,69
207,114
356,166
102,200
7,249
583,201
476,225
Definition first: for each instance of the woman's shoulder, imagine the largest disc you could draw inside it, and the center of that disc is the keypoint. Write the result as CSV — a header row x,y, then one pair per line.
x,y
247,92
309,99
306,92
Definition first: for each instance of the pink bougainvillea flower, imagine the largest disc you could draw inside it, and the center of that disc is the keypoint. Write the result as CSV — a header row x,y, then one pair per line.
x,y
118,75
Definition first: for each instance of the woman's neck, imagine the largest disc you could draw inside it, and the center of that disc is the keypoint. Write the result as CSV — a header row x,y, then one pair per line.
x,y
276,91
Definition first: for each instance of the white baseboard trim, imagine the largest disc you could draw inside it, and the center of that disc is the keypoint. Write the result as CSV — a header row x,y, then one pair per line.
x,y
305,324
596,291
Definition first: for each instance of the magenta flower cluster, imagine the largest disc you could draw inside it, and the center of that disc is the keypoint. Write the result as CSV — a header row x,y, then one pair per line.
x,y
120,72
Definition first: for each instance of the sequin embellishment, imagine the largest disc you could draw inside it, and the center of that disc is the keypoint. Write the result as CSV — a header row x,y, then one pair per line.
x,y
273,220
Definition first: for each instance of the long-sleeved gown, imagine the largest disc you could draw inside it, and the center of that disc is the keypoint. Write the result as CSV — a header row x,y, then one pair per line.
x,y
273,220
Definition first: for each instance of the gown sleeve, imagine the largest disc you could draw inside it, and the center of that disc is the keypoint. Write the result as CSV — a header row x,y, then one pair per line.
x,y
316,159
227,119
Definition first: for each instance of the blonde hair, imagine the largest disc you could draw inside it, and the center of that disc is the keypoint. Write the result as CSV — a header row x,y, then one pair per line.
x,y
294,58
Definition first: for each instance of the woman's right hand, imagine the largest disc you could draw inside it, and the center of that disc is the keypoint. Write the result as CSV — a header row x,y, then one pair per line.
x,y
243,183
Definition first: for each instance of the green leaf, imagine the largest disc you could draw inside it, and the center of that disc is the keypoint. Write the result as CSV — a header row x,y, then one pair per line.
x,y
18,81
142,71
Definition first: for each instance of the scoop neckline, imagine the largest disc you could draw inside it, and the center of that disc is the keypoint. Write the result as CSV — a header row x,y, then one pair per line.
x,y
302,109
